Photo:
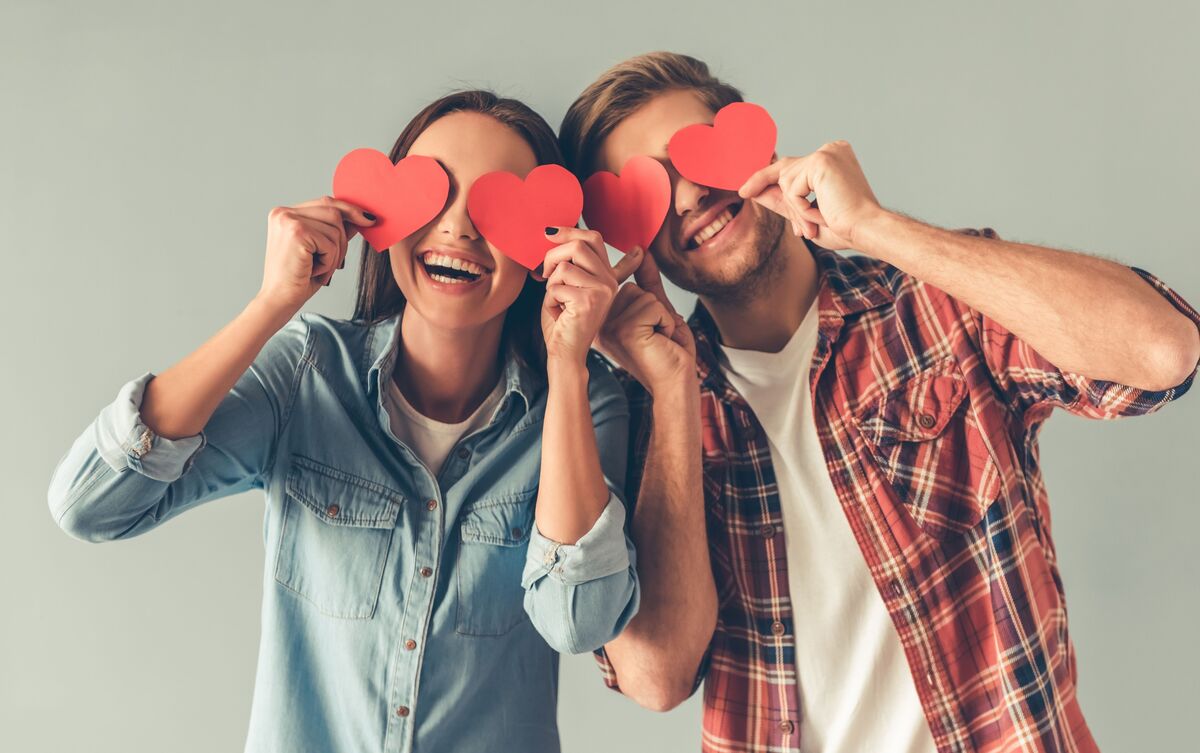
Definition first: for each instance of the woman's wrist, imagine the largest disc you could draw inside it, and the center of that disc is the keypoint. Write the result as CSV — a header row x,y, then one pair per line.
x,y
270,313
562,369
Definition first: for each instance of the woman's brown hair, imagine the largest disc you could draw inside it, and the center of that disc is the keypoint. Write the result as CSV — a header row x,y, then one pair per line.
x,y
379,296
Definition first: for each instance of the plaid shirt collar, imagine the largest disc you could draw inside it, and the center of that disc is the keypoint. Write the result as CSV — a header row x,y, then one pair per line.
x,y
843,289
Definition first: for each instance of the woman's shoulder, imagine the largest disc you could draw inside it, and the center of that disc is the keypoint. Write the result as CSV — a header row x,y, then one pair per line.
x,y
322,340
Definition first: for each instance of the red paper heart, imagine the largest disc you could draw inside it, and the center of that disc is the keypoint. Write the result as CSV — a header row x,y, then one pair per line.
x,y
513,214
628,209
404,196
740,141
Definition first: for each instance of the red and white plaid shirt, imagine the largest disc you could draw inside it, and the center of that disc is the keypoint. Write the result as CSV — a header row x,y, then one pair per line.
x,y
928,414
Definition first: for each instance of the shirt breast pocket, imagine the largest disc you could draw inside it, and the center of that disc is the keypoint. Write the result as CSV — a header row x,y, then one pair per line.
x,y
335,532
928,444
491,558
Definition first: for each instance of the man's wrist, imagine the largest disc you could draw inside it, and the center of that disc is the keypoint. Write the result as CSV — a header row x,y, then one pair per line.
x,y
875,235
676,397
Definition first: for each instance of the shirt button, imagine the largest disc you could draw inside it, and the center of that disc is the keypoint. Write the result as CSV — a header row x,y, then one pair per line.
x,y
926,420
516,532
929,678
410,644
431,504
332,511
402,711
426,572
897,589
767,531
777,628
786,727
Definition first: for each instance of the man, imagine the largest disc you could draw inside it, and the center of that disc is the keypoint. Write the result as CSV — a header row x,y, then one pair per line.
x,y
852,546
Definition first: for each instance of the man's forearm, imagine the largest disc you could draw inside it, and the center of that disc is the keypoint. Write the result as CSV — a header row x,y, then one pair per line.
x,y
659,652
1083,314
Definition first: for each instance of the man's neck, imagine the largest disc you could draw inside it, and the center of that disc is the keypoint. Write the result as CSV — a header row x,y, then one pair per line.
x,y
766,321
447,374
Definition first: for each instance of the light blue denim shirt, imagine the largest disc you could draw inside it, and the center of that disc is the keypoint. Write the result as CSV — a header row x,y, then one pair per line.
x,y
401,611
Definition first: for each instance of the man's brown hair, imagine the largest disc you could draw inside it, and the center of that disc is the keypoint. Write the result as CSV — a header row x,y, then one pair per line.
x,y
624,88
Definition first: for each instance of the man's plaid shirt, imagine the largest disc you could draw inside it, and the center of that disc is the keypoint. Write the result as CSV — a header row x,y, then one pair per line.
x,y
928,414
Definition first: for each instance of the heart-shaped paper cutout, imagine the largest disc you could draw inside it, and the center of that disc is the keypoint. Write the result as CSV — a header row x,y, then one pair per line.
x,y
740,141
513,214
404,196
629,209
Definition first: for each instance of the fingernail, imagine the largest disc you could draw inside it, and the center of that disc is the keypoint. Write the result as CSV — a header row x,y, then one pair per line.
x,y
551,231
370,217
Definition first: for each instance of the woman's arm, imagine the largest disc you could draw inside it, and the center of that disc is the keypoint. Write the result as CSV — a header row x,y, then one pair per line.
x,y
306,244
140,461
581,586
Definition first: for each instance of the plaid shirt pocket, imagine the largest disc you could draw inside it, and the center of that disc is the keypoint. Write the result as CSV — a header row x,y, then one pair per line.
x,y
928,443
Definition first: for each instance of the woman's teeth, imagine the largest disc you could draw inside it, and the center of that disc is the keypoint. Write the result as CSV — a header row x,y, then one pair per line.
x,y
712,228
451,269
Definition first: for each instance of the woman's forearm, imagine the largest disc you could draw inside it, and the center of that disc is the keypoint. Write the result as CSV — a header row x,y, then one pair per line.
x,y
179,402
572,492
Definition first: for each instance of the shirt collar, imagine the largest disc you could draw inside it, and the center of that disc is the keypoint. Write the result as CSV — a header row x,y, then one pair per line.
x,y
844,287
383,348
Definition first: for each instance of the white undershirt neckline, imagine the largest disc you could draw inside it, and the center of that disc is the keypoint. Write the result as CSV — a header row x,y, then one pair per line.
x,y
432,440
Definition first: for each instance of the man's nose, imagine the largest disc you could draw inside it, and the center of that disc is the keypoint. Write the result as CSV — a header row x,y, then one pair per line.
x,y
688,196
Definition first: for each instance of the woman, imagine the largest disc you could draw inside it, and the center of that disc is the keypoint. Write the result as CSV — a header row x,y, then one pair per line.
x,y
442,513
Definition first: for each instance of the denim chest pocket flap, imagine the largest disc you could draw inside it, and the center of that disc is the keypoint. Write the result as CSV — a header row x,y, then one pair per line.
x,y
335,533
494,539
928,444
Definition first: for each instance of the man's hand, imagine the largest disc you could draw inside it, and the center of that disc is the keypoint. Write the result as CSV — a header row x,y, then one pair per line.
x,y
843,199
645,336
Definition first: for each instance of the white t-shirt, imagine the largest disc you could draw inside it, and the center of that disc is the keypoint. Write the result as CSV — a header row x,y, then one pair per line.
x,y
432,440
856,689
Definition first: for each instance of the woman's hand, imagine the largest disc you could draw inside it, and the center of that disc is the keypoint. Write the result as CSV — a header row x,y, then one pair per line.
x,y
305,245
580,287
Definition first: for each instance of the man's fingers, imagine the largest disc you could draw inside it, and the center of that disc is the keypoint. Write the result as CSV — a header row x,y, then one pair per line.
x,y
649,279
628,264
756,183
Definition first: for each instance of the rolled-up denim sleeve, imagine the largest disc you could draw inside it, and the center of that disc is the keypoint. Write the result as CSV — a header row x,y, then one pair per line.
x,y
120,479
580,596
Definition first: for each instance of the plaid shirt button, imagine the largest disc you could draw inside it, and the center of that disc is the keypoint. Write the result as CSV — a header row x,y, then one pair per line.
x,y
767,531
778,628
897,589
786,727
926,420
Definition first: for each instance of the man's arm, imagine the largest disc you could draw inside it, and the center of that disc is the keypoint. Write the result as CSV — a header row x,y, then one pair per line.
x,y
1085,315
657,657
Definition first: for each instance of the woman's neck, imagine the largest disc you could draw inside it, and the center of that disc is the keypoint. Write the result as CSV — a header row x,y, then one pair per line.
x,y
446,374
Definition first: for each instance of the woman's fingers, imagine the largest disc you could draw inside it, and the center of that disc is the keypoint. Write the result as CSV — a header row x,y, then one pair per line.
x,y
351,213
589,240
580,255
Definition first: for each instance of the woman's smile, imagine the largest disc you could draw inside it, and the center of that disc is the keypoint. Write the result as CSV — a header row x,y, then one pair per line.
x,y
451,271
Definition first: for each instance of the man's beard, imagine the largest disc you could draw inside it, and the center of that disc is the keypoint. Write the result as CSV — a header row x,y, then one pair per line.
x,y
764,263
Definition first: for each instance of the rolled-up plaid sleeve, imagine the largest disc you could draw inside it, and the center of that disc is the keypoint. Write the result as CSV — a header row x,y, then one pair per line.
x,y
1034,386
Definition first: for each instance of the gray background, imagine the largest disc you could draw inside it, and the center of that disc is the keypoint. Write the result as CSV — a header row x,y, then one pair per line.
x,y
141,147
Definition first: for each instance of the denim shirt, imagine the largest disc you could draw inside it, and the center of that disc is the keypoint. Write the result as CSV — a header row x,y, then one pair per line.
x,y
400,611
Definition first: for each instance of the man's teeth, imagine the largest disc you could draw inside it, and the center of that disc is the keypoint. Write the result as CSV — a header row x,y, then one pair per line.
x,y
713,227
433,258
